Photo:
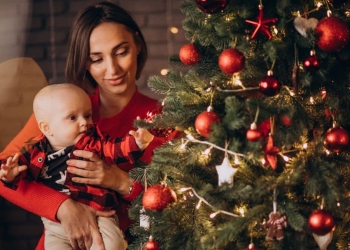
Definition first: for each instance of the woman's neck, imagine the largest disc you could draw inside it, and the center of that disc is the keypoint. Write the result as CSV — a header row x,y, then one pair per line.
x,y
112,104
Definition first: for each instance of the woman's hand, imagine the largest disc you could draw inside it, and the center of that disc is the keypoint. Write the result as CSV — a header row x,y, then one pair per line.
x,y
97,172
80,224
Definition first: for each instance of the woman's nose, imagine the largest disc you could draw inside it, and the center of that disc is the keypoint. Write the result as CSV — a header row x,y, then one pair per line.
x,y
112,66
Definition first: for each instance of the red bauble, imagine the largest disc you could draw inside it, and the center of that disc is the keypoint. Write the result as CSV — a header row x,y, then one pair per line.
x,y
158,197
270,85
251,247
189,54
211,6
151,244
285,119
253,134
332,33
231,61
158,132
336,139
204,121
321,222
161,132
311,63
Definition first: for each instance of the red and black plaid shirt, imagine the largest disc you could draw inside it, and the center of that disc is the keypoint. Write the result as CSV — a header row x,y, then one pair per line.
x,y
111,150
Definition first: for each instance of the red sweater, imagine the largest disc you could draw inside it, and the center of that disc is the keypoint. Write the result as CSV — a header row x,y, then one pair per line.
x,y
29,194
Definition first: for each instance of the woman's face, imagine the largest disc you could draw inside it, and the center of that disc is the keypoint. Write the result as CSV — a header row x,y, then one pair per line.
x,y
113,58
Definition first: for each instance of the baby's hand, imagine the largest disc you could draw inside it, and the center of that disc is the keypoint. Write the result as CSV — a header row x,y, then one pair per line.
x,y
11,169
142,136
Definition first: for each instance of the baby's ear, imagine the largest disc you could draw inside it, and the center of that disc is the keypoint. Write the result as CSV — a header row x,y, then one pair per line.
x,y
44,128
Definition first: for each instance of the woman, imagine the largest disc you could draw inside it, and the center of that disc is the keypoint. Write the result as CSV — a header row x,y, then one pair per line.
x,y
107,54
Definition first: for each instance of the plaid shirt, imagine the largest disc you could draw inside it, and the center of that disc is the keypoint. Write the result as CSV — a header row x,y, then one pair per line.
x,y
111,150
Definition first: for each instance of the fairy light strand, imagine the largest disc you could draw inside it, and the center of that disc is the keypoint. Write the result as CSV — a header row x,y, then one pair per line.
x,y
202,200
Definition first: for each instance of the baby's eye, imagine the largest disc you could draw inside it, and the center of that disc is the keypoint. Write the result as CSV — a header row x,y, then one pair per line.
x,y
88,116
72,117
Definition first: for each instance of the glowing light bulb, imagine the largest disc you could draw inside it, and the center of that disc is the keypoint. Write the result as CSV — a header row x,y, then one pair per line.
x,y
190,137
164,72
213,214
199,204
285,158
174,30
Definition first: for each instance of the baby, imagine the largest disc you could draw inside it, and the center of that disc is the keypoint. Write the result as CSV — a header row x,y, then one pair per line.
x,y
64,116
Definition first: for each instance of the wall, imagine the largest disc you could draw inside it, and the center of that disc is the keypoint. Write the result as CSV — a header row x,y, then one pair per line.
x,y
27,29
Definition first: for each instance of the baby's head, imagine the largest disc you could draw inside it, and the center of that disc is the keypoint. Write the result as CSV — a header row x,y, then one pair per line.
x,y
63,112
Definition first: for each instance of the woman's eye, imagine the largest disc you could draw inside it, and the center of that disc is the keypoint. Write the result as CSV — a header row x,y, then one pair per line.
x,y
96,60
121,52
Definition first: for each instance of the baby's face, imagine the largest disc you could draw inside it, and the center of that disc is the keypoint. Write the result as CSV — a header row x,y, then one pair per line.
x,y
71,114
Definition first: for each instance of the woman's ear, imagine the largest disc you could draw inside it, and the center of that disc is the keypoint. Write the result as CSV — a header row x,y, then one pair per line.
x,y
44,128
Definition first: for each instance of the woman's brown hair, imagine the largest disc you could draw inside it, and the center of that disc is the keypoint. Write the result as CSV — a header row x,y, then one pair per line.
x,y
79,41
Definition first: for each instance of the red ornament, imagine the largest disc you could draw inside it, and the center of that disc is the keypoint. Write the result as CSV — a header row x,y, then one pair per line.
x,y
311,63
265,128
158,132
231,61
189,54
336,139
327,113
151,244
321,222
251,247
271,153
204,121
332,33
158,197
270,85
285,119
253,134
211,6
262,24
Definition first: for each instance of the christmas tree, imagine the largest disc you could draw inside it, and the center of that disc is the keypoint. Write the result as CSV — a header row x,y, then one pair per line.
x,y
261,97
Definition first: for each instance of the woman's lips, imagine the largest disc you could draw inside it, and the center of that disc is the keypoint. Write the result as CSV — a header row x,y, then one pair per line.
x,y
116,81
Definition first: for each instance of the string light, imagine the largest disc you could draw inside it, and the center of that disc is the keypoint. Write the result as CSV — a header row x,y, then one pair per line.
x,y
242,211
192,139
199,204
275,30
285,158
207,151
236,161
183,145
202,200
